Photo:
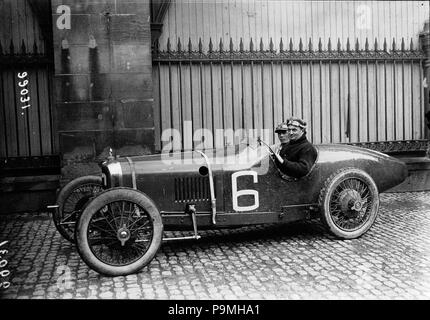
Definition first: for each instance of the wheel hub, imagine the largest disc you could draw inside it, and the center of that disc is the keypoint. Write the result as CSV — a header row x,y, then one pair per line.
x,y
358,205
123,234
351,203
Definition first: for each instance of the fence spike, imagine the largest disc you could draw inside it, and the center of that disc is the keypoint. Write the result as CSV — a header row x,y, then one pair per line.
x,y
200,45
271,46
403,44
310,45
190,45
357,45
35,47
211,47
411,45
348,45
231,45
385,45
281,46
320,45
241,45
179,45
394,44
261,45
23,48
339,48
291,44
329,45
376,44
251,46
11,47
366,45
221,45
300,45
168,45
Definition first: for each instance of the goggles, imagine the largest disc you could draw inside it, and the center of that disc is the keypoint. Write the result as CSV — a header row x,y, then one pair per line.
x,y
296,124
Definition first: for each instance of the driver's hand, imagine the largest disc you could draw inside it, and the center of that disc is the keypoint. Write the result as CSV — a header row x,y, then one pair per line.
x,y
277,155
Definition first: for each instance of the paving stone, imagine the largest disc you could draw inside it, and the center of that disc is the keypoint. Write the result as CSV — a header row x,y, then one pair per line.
x,y
67,295
121,295
106,295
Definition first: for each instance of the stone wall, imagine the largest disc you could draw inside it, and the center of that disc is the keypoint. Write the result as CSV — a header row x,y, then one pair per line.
x,y
103,81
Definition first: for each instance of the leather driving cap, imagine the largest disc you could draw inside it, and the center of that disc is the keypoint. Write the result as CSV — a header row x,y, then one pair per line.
x,y
281,127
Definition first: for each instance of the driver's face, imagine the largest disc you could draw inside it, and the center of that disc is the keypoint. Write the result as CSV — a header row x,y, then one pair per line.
x,y
283,136
294,132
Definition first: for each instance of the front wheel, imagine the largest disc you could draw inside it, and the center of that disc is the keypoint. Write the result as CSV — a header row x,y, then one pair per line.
x,y
119,232
71,201
349,203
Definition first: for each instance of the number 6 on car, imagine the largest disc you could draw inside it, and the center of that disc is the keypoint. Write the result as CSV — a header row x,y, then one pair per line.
x,y
236,194
119,230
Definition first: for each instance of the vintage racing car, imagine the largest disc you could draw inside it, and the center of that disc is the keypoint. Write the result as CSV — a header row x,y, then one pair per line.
x,y
117,220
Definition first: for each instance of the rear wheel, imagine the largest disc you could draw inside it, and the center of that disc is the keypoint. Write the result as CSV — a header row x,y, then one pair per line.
x,y
72,200
349,203
119,232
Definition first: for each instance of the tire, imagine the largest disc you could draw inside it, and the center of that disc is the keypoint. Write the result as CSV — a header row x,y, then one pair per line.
x,y
72,200
349,203
119,232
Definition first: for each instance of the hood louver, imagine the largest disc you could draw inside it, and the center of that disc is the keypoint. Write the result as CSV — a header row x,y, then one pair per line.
x,y
192,189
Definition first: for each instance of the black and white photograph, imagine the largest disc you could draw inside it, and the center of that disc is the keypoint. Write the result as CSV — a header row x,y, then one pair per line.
x,y
214,155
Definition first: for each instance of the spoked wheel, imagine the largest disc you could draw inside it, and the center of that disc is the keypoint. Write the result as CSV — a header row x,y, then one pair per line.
x,y
349,203
72,200
119,232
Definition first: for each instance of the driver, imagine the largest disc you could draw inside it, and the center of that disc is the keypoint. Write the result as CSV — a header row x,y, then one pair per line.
x,y
296,155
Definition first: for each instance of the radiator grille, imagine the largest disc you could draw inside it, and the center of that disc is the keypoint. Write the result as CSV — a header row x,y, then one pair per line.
x,y
192,189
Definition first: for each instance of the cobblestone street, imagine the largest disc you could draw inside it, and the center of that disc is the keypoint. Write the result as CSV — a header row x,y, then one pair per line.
x,y
295,261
